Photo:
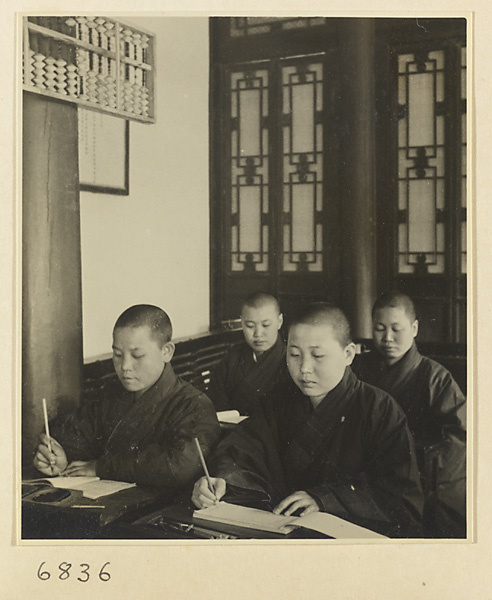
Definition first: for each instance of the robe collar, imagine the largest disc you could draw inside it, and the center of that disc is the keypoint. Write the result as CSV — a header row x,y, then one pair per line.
x,y
167,380
277,348
141,417
321,423
407,362
336,398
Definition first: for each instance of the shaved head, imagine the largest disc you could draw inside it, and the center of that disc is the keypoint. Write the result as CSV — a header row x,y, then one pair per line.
x,y
260,299
142,315
394,299
323,313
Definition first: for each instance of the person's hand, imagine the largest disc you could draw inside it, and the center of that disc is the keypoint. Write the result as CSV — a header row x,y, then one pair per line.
x,y
203,496
49,463
296,501
81,468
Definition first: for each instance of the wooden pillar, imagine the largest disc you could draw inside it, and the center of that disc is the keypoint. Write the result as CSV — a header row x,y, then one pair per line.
x,y
358,172
51,264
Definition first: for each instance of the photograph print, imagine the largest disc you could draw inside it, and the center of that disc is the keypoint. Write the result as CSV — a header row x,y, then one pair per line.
x,y
244,278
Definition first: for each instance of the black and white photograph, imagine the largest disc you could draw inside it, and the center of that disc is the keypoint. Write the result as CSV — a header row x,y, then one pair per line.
x,y
245,304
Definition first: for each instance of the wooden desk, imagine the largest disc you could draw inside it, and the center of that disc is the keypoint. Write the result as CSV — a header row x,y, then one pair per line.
x,y
133,514
59,520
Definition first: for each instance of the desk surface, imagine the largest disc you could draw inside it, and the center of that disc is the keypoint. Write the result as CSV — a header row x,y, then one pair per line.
x,y
135,513
59,520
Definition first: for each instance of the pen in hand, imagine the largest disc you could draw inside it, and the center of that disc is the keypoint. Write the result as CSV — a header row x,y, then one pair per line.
x,y
47,429
204,465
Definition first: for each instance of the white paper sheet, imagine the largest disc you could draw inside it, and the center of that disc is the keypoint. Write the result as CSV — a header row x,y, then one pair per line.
x,y
253,518
336,527
230,416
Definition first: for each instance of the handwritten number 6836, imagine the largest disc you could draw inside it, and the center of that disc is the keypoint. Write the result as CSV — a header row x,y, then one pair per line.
x,y
64,568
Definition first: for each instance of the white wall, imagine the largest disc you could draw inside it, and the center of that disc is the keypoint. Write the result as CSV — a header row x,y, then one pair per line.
x,y
153,245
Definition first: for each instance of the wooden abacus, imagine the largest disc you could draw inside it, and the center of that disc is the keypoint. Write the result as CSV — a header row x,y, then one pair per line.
x,y
94,61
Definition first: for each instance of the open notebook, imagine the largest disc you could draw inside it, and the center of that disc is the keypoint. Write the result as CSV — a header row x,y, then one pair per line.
x,y
91,487
252,518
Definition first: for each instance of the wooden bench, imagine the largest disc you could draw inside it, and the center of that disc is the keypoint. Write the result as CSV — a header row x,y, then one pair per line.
x,y
195,359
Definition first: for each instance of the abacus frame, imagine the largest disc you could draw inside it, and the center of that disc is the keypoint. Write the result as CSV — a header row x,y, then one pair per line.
x,y
123,65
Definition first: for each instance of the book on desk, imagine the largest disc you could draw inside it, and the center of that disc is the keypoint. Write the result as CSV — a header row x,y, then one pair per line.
x,y
261,520
91,487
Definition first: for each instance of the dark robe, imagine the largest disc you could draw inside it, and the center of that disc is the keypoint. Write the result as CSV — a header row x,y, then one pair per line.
x,y
239,380
353,454
148,440
436,411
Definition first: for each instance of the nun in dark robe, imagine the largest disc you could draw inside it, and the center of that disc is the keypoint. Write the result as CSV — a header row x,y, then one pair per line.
x,y
322,440
253,367
434,405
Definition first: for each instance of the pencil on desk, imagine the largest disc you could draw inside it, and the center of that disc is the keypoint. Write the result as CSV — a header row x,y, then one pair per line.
x,y
204,465
46,425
